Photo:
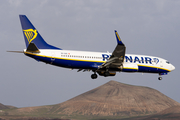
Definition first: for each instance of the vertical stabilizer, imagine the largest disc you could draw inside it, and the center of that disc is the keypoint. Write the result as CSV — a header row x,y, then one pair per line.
x,y
31,35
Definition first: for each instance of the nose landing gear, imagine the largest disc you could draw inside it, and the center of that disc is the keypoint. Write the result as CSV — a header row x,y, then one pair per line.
x,y
159,78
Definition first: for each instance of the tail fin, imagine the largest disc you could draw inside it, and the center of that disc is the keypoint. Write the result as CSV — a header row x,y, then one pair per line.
x,y
31,35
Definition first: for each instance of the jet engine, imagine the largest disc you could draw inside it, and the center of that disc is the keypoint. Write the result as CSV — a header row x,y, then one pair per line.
x,y
103,73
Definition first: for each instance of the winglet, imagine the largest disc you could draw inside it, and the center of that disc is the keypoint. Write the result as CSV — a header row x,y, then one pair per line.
x,y
118,39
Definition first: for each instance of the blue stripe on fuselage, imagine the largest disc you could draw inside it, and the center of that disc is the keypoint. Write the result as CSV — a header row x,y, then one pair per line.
x,y
151,69
82,64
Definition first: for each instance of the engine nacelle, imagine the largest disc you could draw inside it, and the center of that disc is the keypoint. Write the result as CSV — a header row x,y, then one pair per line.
x,y
102,73
130,67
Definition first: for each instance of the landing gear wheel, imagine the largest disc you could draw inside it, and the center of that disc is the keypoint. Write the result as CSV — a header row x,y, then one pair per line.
x,y
94,76
160,78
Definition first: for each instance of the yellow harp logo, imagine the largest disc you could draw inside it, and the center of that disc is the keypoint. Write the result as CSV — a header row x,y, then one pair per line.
x,y
30,34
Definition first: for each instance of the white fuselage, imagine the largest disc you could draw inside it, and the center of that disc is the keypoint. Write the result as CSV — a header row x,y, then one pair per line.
x,y
92,60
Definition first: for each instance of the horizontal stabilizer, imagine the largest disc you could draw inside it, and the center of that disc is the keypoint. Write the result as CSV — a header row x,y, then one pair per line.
x,y
16,51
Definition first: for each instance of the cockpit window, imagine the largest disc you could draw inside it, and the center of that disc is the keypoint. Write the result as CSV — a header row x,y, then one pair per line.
x,y
167,62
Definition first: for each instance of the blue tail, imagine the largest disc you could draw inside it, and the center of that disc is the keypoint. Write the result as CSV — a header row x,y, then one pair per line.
x,y
31,35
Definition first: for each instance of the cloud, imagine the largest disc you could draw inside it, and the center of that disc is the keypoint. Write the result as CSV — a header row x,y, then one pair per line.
x,y
15,3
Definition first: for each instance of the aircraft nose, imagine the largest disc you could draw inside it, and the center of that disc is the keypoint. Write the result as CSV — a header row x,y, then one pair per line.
x,y
172,68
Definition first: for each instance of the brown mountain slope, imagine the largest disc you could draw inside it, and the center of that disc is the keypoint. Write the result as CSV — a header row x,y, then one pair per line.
x,y
171,110
111,100
172,113
2,107
114,98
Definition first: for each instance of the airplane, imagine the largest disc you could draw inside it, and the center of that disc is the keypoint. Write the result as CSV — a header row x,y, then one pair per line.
x,y
102,63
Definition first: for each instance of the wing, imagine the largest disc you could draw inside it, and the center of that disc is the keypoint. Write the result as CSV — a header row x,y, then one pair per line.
x,y
117,57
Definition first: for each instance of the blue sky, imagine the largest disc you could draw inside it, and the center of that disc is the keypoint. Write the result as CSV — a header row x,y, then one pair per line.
x,y
148,27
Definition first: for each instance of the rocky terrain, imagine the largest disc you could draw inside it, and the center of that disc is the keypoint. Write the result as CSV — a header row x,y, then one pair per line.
x,y
116,99
2,107
172,113
113,100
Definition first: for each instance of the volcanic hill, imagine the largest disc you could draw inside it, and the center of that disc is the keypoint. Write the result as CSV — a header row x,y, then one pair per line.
x,y
116,99
2,107
172,113
112,100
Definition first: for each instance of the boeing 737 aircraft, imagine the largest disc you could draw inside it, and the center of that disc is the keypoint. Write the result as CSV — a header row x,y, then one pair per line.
x,y
104,64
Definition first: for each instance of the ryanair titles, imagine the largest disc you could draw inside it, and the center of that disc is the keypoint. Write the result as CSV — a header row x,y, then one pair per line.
x,y
135,59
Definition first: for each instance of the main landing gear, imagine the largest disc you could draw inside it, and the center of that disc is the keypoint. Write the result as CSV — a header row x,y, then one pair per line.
x,y
94,76
104,73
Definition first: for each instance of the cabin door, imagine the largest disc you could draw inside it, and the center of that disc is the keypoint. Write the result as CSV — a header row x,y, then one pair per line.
x,y
52,57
